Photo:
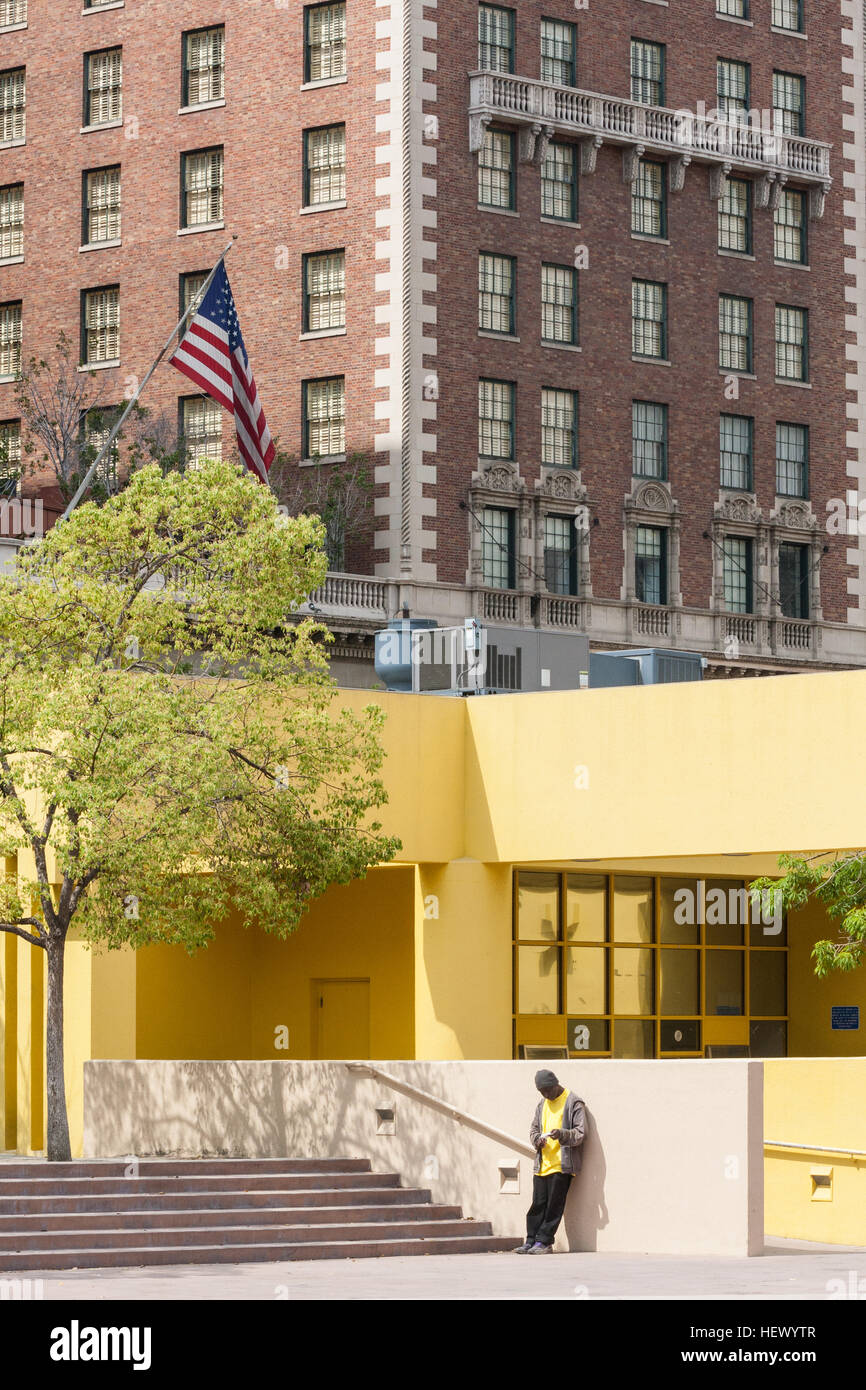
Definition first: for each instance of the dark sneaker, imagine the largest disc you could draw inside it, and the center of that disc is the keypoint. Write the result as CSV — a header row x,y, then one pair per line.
x,y
523,1249
538,1249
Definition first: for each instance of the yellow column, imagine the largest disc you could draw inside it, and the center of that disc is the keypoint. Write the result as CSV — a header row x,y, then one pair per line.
x,y
8,1041
31,1044
463,960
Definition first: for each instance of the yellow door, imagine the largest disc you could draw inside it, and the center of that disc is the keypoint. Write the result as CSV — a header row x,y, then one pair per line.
x,y
341,1019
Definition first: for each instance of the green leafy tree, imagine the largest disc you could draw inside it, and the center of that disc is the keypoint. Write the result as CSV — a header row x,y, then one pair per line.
x,y
168,747
838,883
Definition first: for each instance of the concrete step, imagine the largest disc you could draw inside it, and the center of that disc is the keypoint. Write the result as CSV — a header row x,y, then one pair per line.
x,y
127,1201
93,1215
36,1262
138,1219
171,1167
91,1244
11,1188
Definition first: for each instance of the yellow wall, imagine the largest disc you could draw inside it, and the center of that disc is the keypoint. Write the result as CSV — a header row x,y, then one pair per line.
x,y
229,1000
463,961
819,1102
692,769
356,931
423,739
810,999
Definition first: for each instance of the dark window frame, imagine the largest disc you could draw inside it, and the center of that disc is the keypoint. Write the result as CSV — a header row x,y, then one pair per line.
x,y
663,561
305,423
94,53
511,545
801,593
512,37
575,408
570,24
184,156
750,482
308,9
663,69
512,387
82,314
306,257
305,167
85,174
664,407
184,72
748,570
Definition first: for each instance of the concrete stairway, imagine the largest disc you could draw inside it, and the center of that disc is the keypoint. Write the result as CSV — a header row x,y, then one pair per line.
x,y
97,1214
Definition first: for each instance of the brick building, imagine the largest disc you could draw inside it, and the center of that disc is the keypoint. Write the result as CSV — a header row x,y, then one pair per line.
x,y
583,285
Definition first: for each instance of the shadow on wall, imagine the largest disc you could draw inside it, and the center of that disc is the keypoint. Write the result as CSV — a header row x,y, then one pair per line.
x,y
586,1210
321,1110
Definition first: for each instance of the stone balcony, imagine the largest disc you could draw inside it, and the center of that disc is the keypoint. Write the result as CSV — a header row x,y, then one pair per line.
x,y
542,110
354,606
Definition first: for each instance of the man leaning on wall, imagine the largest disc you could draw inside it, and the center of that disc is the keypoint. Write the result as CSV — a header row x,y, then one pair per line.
x,y
557,1132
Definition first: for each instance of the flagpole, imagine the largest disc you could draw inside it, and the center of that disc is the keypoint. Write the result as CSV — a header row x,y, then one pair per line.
x,y
88,477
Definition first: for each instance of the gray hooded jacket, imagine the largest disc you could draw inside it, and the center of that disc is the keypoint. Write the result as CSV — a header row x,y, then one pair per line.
x,y
573,1133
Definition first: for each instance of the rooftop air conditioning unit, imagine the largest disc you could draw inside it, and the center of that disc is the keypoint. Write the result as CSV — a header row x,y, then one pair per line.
x,y
475,659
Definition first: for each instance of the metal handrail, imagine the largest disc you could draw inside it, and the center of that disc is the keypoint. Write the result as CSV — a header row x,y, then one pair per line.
x,y
813,1148
459,1116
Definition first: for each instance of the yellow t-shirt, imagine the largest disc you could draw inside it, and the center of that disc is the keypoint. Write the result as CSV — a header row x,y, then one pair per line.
x,y
552,1112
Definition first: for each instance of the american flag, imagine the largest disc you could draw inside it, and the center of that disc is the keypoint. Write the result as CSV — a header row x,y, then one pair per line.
x,y
212,354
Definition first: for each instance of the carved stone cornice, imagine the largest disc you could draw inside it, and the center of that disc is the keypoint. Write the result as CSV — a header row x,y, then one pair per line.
x,y
500,478
795,516
561,485
652,497
739,509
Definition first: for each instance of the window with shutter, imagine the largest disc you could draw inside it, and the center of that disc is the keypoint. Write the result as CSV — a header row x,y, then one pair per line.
x,y
495,293
12,12
792,358
102,325
10,339
10,457
13,100
559,428
203,188
103,205
559,183
104,82
98,425
735,333
325,165
558,304
11,221
202,430
191,286
325,417
204,66
496,169
325,291
326,42
495,419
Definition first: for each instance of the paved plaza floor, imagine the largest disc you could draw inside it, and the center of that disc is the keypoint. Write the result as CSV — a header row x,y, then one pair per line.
x,y
787,1270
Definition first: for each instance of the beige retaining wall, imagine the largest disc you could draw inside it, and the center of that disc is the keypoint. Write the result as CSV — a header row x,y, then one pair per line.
x,y
672,1161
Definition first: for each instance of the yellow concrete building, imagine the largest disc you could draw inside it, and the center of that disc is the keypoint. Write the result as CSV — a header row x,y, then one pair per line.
x,y
571,876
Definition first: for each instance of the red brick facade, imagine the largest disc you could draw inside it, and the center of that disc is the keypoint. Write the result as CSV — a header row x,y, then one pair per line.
x,y
260,128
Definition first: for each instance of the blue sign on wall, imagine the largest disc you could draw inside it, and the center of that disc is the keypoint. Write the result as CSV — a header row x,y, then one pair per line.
x,y
845,1016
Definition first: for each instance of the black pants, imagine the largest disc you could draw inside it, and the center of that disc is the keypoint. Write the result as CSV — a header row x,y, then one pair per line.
x,y
548,1204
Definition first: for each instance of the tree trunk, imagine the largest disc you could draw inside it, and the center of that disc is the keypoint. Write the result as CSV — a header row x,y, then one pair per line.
x,y
57,1122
